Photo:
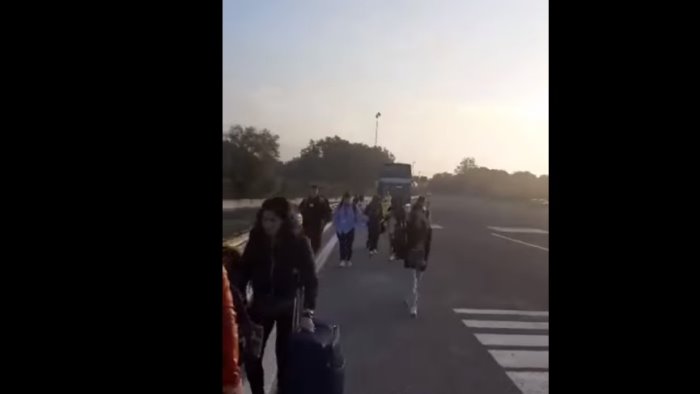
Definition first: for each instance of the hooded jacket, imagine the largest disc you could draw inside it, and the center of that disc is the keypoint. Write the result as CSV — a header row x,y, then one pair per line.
x,y
277,270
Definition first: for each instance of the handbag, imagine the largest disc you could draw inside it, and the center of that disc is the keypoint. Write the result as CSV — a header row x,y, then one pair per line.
x,y
415,259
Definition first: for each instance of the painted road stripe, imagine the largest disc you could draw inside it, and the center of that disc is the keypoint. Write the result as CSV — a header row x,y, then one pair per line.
x,y
520,242
500,312
513,340
521,358
325,252
530,382
523,325
516,230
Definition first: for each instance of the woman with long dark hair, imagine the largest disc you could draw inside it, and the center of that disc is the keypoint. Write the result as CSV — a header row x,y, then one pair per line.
x,y
277,260
418,238
373,212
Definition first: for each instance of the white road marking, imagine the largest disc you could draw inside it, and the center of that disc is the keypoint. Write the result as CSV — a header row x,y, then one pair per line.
x,y
523,325
521,230
500,312
513,340
520,242
530,382
521,358
325,252
328,226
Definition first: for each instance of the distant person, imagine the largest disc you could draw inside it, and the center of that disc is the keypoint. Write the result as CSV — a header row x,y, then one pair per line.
x,y
386,204
231,373
276,261
316,212
395,223
373,212
359,203
345,220
418,238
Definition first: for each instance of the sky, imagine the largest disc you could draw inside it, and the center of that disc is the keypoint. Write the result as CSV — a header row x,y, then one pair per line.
x,y
451,78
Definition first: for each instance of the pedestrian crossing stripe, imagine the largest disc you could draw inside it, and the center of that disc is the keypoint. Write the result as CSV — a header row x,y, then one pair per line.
x,y
518,230
524,356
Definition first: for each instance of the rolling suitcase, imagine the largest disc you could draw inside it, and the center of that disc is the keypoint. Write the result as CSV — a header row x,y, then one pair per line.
x,y
315,363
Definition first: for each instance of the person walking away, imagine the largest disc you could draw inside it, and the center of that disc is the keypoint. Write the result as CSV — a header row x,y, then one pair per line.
x,y
373,212
277,260
316,212
345,219
396,219
417,248
231,381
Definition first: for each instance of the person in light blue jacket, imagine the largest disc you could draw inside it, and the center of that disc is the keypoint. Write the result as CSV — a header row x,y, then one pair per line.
x,y
345,219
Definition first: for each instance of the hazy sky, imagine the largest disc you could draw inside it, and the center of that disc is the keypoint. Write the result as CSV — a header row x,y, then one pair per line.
x,y
451,78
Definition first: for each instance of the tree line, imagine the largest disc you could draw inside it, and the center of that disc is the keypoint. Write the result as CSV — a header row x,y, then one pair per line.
x,y
252,169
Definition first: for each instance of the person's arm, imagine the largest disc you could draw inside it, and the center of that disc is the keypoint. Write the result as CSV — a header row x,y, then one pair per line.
x,y
428,242
304,210
327,212
307,275
336,217
245,267
231,371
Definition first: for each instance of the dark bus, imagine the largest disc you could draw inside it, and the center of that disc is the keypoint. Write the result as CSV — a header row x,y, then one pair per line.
x,y
396,178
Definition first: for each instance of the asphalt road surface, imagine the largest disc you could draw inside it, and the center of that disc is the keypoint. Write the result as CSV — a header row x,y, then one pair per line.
x,y
483,317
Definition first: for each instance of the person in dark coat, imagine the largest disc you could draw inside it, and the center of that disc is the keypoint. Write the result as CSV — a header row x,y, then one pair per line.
x,y
418,239
316,212
373,212
277,260
396,226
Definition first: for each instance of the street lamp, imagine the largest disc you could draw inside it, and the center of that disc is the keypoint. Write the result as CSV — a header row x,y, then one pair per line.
x,y
376,127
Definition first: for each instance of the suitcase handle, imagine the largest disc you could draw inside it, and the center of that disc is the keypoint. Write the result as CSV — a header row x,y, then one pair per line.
x,y
336,335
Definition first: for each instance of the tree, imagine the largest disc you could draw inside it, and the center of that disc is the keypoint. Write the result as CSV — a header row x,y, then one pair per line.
x,y
468,163
339,165
470,179
250,161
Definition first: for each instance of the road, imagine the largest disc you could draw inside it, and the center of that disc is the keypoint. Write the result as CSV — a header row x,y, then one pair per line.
x,y
483,319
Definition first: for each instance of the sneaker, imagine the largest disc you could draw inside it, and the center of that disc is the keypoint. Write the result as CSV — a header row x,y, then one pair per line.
x,y
348,263
414,311
392,257
342,263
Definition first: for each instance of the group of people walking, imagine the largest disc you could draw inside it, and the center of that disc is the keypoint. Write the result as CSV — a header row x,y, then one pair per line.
x,y
279,259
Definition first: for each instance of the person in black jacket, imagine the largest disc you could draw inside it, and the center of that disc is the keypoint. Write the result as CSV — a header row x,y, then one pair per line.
x,y
316,212
373,212
418,239
277,260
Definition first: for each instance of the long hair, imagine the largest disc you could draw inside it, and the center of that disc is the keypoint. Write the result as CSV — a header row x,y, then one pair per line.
x,y
420,204
283,210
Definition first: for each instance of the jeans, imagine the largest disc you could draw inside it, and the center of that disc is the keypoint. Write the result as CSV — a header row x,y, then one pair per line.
x,y
346,240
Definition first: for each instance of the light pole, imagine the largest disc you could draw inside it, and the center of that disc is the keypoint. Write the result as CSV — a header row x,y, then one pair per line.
x,y
376,127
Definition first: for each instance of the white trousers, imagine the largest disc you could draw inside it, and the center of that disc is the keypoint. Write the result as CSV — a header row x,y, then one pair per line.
x,y
413,289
